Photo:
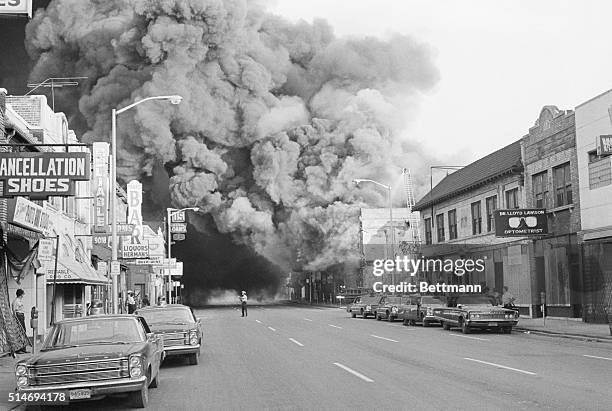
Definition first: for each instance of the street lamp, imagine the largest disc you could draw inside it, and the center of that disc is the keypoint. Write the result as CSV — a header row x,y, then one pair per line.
x,y
174,99
169,213
387,187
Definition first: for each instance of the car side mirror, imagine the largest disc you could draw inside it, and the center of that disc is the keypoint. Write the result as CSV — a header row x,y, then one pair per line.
x,y
150,336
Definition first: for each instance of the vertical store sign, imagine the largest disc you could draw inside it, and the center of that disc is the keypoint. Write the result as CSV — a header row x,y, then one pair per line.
x,y
100,159
134,194
14,7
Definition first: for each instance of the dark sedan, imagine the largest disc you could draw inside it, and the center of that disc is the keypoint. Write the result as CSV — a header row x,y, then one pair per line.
x,y
91,357
420,309
180,330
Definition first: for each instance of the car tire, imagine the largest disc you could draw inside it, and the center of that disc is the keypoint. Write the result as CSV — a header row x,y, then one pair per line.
x,y
507,330
464,327
446,326
353,315
361,313
389,318
405,322
425,323
378,317
413,322
155,382
140,398
194,359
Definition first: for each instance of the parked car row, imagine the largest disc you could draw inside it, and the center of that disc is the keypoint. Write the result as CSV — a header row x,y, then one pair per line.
x,y
88,358
467,312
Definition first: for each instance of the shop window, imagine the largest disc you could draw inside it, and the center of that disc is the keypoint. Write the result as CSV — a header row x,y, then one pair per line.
x,y
512,199
600,170
476,218
428,231
491,206
440,227
563,185
452,224
540,189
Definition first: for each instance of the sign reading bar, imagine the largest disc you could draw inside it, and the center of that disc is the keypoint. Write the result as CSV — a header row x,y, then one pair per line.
x,y
135,251
521,222
604,145
134,199
178,228
40,175
16,7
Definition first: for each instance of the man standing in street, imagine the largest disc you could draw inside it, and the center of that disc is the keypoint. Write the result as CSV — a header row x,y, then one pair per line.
x,y
131,303
19,313
243,302
507,298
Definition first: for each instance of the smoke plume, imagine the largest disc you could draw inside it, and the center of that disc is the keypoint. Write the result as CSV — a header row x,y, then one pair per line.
x,y
277,117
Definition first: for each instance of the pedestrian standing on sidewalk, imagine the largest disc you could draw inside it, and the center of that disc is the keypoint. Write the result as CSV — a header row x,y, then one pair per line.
x,y
243,302
131,303
508,299
19,313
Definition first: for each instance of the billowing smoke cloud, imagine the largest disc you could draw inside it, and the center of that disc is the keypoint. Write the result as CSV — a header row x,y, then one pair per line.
x,y
276,121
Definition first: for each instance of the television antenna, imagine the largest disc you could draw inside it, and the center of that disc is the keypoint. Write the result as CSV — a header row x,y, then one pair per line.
x,y
53,83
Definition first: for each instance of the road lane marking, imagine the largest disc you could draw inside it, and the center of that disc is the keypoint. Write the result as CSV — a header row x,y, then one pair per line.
x,y
296,342
273,329
471,338
599,358
355,373
307,319
383,338
335,326
501,366
257,321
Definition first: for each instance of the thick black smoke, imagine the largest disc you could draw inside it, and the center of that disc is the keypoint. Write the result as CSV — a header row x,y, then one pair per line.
x,y
276,121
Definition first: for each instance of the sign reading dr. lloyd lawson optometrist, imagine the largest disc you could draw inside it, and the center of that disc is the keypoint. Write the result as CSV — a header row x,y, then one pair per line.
x,y
40,175
522,222
16,7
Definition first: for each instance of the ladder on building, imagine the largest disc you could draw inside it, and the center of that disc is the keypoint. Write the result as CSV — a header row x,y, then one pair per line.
x,y
413,216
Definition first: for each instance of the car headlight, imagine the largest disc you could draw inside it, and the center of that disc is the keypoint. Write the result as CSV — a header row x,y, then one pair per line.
x,y
193,337
429,311
22,381
21,370
394,310
368,308
135,366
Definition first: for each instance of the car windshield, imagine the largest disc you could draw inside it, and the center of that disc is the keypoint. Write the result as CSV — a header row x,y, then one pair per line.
x,y
474,299
168,315
394,300
431,300
98,331
370,300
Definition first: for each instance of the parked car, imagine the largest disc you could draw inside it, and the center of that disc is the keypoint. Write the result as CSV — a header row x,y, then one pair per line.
x,y
180,330
475,311
92,357
420,310
390,306
364,306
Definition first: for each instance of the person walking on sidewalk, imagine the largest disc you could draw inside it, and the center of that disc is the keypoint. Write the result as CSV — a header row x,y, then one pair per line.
x,y
131,303
243,302
19,313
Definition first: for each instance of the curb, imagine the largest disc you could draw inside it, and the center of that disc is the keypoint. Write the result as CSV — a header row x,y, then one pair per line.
x,y
581,337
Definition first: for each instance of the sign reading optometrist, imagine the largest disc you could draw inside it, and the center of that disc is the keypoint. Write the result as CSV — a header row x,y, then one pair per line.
x,y
522,222
40,175
14,7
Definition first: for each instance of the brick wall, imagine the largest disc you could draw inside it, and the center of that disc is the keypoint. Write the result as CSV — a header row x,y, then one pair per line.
x,y
28,107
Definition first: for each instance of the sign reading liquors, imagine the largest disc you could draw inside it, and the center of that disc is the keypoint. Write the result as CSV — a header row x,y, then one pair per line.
x,y
521,222
40,175
135,251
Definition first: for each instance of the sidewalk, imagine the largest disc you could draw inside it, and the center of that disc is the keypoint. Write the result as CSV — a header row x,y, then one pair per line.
x,y
7,379
568,328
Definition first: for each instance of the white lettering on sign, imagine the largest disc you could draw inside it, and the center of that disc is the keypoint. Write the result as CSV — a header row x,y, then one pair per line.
x,y
134,194
135,250
16,7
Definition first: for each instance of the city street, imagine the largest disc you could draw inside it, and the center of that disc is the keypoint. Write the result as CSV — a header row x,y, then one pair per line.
x,y
285,357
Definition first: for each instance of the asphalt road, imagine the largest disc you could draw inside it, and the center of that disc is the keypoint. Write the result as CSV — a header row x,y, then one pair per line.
x,y
285,357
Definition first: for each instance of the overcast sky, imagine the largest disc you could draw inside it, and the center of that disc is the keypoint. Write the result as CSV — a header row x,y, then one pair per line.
x,y
500,61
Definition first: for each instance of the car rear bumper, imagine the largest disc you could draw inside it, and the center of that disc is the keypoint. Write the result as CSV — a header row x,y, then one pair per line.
x,y
96,387
181,350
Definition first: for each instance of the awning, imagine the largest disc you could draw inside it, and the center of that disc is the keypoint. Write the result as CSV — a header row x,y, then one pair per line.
x,y
73,272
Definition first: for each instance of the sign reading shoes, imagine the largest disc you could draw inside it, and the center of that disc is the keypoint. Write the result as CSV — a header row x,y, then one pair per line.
x,y
40,175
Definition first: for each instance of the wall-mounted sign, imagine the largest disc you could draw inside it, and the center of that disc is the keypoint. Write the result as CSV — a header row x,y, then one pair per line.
x,y
29,215
521,222
177,216
178,228
39,175
100,239
16,7
135,250
46,249
604,145
115,268
178,237
100,186
102,268
134,194
149,261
